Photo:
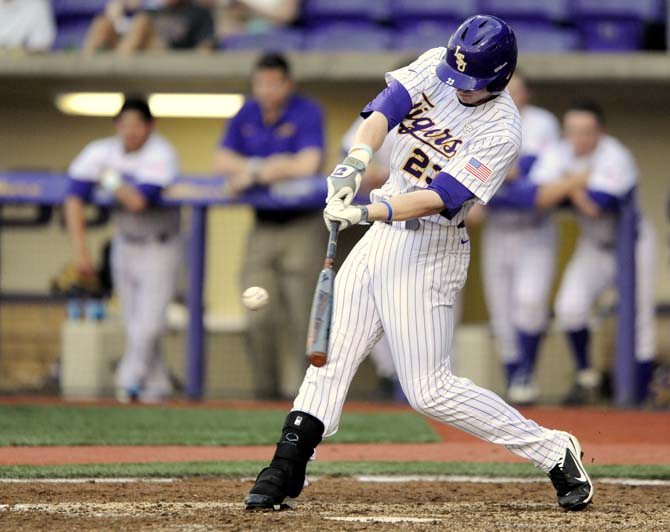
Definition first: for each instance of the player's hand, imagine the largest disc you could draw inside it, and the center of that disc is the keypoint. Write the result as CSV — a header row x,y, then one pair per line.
x,y
347,215
345,180
235,184
84,264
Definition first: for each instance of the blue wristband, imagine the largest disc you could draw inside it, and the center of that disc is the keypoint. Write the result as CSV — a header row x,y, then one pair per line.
x,y
390,209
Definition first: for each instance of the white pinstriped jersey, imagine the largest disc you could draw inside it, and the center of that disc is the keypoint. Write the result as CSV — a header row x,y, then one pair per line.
x,y
155,163
611,169
475,144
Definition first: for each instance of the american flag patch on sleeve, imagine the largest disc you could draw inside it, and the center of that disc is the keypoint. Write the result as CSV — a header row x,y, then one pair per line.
x,y
478,169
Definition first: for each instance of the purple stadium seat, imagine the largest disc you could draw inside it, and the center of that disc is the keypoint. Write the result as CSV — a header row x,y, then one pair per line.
x,y
544,37
70,35
611,35
526,9
423,35
316,12
77,8
639,9
343,37
406,11
279,40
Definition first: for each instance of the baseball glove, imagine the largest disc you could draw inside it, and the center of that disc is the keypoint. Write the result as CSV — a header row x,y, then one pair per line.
x,y
70,282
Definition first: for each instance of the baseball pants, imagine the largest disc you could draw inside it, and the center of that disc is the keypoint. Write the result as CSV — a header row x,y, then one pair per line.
x,y
404,283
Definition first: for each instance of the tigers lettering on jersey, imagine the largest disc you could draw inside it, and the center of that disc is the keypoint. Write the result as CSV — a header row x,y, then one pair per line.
x,y
422,127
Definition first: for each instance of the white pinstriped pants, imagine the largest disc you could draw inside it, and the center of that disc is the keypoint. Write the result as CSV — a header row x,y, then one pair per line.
x,y
403,283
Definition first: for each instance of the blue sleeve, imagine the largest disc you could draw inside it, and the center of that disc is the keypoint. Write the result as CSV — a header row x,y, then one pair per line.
x,y
518,194
151,193
394,102
81,189
310,130
452,192
525,163
605,201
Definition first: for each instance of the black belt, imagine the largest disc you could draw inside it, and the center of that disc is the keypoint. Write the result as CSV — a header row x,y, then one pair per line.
x,y
413,224
161,238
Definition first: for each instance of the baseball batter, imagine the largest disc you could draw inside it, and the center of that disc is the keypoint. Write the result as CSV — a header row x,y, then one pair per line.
x,y
458,135
134,166
518,254
611,173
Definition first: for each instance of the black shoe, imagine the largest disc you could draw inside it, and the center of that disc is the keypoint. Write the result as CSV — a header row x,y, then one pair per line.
x,y
269,492
573,485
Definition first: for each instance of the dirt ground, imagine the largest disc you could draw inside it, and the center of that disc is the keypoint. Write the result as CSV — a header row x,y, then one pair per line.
x,y
329,504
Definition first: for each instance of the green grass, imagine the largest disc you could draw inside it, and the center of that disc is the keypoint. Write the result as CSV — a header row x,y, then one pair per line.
x,y
109,425
250,469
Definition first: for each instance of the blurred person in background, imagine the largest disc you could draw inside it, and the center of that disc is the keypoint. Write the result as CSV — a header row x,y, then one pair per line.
x,y
133,166
252,16
131,26
611,173
27,25
519,252
277,136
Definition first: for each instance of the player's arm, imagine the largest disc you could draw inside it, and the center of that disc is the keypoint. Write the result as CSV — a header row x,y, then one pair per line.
x,y
284,166
449,195
523,195
381,115
75,220
131,198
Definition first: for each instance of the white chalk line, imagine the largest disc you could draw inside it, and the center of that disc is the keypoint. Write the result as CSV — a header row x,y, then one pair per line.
x,y
91,480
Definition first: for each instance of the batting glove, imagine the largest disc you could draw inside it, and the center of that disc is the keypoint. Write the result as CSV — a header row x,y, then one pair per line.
x,y
345,180
347,215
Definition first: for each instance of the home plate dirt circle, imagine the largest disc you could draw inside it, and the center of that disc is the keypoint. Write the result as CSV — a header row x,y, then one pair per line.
x,y
329,505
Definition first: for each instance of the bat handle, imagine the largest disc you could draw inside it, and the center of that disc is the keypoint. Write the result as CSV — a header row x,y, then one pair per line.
x,y
332,244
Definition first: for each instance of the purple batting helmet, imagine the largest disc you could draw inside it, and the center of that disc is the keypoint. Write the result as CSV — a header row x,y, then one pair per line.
x,y
481,54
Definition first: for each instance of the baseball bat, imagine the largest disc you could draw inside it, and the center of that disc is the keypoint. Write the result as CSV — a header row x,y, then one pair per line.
x,y
322,305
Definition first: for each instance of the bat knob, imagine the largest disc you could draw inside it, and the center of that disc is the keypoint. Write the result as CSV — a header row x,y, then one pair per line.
x,y
317,359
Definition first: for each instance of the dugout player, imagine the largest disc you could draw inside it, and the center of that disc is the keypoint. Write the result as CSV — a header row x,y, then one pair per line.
x,y
519,253
611,173
458,136
134,166
276,136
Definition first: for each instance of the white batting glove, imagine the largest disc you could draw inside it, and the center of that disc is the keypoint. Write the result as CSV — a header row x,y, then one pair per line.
x,y
347,215
345,180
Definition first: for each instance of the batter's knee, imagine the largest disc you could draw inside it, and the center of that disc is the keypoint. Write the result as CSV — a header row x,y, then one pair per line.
x,y
429,395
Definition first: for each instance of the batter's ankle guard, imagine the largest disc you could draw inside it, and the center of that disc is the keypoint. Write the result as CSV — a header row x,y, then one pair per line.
x,y
301,434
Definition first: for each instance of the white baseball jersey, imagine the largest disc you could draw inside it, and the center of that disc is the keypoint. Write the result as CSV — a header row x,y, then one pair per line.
x,y
475,145
145,256
592,268
155,163
401,280
611,169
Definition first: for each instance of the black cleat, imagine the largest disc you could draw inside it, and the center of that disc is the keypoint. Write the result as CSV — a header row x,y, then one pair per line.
x,y
573,485
269,492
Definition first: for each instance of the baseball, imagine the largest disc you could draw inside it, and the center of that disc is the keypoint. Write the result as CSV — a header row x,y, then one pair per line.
x,y
255,297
